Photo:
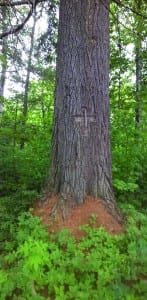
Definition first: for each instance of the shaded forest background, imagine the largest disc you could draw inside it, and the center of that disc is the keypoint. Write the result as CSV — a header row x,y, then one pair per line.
x,y
35,264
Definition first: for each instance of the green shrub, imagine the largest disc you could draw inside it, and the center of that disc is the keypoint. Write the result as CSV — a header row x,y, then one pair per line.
x,y
41,266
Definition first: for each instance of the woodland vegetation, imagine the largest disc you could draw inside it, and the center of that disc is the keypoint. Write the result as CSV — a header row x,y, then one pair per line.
x,y
34,265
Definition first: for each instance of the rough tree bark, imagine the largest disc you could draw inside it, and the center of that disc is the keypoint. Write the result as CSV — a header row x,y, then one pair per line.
x,y
81,154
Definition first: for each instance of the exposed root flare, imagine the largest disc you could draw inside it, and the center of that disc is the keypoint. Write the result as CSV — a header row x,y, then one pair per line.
x,y
114,210
63,205
62,212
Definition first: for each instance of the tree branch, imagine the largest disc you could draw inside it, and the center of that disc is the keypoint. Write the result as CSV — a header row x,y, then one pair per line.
x,y
18,27
21,2
116,18
15,3
119,2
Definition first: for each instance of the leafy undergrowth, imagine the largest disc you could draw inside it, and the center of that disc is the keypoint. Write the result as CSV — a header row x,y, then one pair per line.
x,y
35,265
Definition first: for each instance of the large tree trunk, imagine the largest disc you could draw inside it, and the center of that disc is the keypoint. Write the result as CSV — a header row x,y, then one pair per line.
x,y
81,155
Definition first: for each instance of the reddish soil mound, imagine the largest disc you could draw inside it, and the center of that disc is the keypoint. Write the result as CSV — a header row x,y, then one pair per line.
x,y
92,209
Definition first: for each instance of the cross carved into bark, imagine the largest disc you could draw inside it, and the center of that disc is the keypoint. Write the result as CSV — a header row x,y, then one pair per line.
x,y
84,120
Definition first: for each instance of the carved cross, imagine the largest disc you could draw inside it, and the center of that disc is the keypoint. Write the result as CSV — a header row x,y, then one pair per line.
x,y
84,120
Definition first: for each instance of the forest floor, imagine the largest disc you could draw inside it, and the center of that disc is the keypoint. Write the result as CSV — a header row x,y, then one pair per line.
x,y
92,212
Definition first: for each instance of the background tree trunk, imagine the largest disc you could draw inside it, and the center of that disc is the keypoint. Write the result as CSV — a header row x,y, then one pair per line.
x,y
27,81
138,54
81,143
3,62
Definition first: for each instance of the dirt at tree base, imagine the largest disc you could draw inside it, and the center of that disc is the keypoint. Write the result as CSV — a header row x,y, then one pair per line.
x,y
91,211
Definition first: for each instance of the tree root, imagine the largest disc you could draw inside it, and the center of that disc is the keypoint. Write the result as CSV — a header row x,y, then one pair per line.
x,y
114,210
62,206
65,203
